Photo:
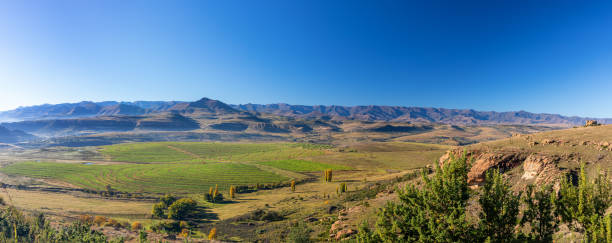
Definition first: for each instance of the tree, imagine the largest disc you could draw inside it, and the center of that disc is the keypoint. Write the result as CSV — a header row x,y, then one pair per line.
x,y
328,175
540,213
158,210
232,192
343,188
212,234
214,198
600,229
500,208
434,213
581,205
167,200
216,192
182,208
365,235
293,185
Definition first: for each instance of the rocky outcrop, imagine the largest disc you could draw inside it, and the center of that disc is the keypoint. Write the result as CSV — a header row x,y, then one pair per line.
x,y
591,123
482,161
542,168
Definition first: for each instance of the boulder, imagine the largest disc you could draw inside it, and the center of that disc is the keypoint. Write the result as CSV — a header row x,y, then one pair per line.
x,y
591,123
345,233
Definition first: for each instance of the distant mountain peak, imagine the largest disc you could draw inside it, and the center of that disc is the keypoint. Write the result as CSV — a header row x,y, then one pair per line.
x,y
204,105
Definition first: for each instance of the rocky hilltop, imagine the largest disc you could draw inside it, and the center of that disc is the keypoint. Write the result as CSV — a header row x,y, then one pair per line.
x,y
541,157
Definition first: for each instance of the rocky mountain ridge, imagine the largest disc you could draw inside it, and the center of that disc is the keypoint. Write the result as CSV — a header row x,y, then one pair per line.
x,y
416,114
371,113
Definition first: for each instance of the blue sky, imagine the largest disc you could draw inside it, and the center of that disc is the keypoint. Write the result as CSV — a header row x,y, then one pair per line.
x,y
538,56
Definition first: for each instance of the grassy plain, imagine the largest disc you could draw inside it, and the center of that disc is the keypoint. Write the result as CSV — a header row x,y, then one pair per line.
x,y
147,178
70,205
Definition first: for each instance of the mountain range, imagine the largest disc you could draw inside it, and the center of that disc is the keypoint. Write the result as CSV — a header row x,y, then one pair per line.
x,y
371,113
89,123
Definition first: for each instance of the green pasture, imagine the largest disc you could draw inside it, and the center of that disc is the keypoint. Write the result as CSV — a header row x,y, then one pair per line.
x,y
148,178
302,165
212,152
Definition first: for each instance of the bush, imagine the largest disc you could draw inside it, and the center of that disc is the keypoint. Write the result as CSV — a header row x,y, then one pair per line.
x,y
265,215
540,213
168,227
136,226
142,236
365,193
87,219
158,210
500,208
167,200
182,208
100,220
436,212
218,198
112,223
365,235
299,233
583,206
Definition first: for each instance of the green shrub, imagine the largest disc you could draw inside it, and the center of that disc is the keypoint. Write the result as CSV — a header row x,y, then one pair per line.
x,y
214,198
499,208
181,208
299,233
434,213
158,210
167,200
172,227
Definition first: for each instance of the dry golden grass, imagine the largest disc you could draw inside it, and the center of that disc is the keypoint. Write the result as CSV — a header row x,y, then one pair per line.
x,y
62,204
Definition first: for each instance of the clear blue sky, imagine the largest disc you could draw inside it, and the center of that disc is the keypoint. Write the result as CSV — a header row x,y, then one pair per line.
x,y
538,56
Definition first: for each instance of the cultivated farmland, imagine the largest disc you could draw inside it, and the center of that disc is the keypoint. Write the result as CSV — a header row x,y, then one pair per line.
x,y
148,178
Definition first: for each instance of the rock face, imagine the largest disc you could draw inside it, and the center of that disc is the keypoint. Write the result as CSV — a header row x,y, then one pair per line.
x,y
591,123
541,168
485,160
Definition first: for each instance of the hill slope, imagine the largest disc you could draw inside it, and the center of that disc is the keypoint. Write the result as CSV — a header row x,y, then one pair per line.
x,y
542,157
13,136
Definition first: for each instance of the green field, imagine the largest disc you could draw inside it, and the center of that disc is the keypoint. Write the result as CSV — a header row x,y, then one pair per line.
x,y
302,165
193,167
148,178
212,152
146,153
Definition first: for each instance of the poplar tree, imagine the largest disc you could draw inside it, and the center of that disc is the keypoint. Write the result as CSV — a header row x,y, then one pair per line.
x,y
293,185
